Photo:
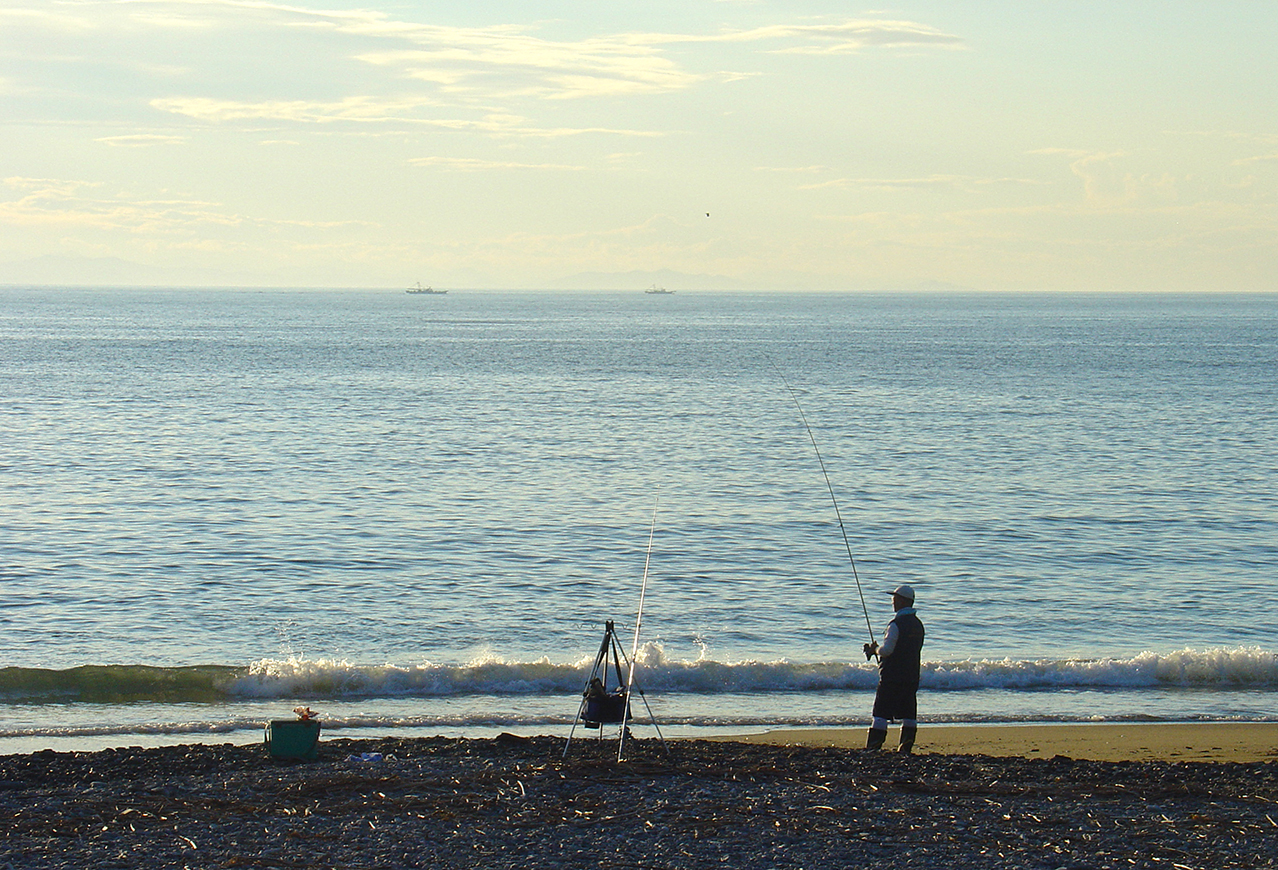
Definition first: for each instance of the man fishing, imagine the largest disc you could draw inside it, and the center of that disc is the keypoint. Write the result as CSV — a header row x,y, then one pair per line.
x,y
902,642
899,660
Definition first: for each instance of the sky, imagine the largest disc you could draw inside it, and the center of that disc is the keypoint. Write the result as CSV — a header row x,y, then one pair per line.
x,y
805,145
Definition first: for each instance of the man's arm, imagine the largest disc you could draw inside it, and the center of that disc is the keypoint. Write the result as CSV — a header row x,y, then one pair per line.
x,y
890,637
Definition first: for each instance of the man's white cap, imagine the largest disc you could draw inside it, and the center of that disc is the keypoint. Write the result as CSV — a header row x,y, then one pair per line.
x,y
904,592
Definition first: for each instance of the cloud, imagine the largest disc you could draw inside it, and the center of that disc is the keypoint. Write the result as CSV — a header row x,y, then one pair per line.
x,y
71,204
930,182
468,164
365,109
495,62
1259,158
1264,138
345,68
617,64
61,20
1107,185
152,218
792,169
1104,182
1067,152
368,110
141,140
506,61
49,186
846,36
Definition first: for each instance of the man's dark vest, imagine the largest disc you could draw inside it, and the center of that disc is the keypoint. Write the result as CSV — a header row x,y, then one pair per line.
x,y
902,666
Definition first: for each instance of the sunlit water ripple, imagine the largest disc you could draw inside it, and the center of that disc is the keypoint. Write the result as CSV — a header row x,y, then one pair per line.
x,y
334,481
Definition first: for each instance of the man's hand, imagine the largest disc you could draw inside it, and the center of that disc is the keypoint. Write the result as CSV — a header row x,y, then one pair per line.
x,y
871,650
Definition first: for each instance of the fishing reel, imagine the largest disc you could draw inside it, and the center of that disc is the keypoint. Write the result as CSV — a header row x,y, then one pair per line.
x,y
871,650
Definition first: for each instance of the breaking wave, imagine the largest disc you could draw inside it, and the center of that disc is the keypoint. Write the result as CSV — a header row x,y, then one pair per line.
x,y
1249,667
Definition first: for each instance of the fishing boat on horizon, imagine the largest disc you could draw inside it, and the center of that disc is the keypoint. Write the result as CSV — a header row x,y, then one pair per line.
x,y
654,290
413,291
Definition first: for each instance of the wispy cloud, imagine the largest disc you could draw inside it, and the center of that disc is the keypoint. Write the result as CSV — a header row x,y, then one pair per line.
x,y
1075,153
368,110
929,182
362,109
459,65
469,164
616,64
141,140
1264,138
63,185
793,169
70,203
504,62
63,19
844,37
1259,158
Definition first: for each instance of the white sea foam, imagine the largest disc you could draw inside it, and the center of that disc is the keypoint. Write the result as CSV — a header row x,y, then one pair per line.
x,y
1213,668
1204,669
326,677
691,697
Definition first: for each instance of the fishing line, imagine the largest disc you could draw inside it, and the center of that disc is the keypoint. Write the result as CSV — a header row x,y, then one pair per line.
x,y
837,513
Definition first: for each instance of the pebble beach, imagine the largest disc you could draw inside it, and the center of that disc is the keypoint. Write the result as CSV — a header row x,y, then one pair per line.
x,y
782,800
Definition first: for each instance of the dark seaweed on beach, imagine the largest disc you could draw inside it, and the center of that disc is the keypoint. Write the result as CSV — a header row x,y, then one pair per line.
x,y
518,802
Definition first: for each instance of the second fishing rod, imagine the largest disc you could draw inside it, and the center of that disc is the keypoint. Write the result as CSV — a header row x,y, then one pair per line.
x,y
847,544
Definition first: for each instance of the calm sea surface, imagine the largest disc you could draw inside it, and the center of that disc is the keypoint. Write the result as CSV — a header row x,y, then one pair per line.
x,y
415,513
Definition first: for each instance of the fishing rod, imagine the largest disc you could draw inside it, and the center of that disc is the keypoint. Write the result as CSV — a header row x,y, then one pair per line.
x,y
643,587
837,513
598,705
634,649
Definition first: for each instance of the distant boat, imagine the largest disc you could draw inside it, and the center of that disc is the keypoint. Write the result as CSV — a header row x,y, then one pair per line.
x,y
654,290
420,289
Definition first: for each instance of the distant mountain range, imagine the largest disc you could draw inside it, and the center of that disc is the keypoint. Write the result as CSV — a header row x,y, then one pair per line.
x,y
56,270
638,280
672,280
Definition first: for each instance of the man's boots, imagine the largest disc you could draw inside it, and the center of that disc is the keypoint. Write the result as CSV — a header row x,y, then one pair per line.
x,y
876,738
907,738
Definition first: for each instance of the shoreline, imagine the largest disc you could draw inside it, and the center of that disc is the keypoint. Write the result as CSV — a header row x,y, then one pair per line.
x,y
1094,741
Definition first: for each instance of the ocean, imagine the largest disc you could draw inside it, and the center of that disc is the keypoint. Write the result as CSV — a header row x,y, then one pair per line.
x,y
415,514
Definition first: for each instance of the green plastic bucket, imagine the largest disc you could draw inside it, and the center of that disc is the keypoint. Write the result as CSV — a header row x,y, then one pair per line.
x,y
293,739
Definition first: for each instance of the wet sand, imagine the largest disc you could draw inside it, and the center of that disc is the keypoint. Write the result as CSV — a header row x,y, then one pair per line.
x,y
1226,741
521,802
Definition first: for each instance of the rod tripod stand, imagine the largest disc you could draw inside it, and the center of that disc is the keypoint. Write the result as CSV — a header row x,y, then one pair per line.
x,y
602,706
